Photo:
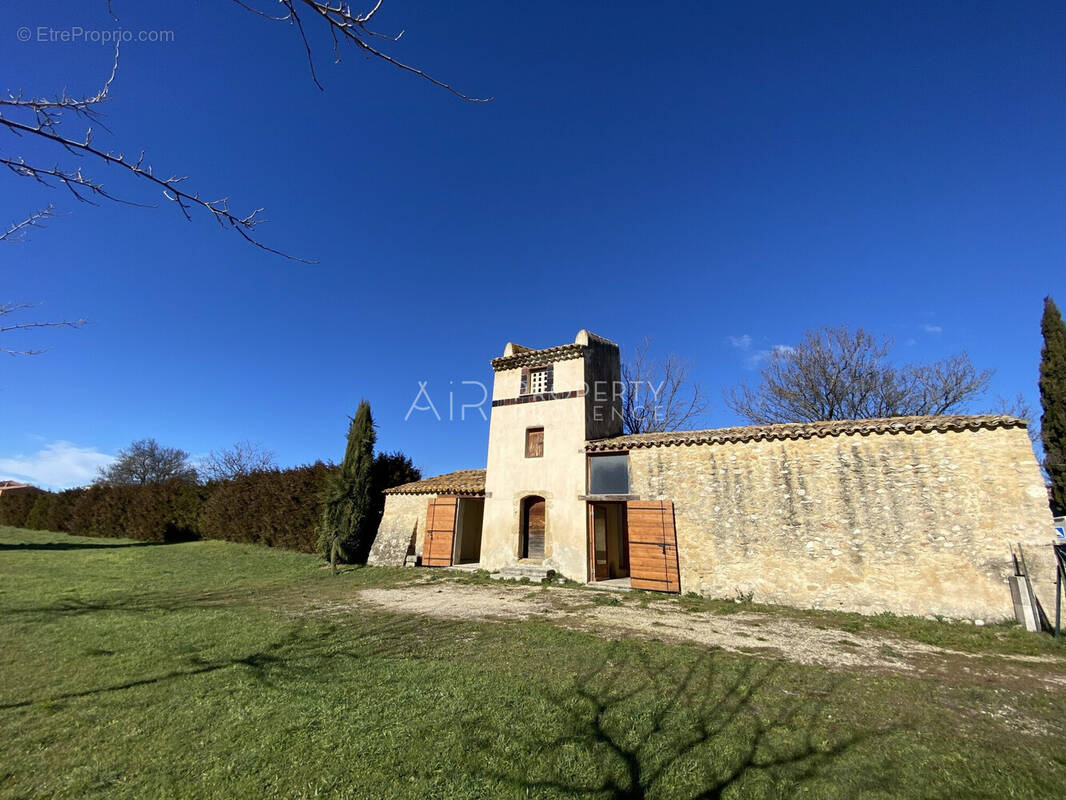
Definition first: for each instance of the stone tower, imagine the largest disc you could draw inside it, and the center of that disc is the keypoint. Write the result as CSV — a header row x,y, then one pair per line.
x,y
546,404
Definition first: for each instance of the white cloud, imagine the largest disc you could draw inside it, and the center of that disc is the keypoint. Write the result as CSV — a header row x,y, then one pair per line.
x,y
742,342
932,329
58,465
759,356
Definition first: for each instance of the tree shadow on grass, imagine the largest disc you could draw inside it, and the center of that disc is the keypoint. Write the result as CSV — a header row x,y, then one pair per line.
x,y
141,604
77,545
635,726
305,648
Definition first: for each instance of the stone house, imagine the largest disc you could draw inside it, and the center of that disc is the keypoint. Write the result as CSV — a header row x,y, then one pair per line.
x,y
913,515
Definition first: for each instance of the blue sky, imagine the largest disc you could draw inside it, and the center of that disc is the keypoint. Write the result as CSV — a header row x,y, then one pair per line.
x,y
718,178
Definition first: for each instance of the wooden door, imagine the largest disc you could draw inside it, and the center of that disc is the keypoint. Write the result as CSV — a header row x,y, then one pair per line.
x,y
440,532
653,546
534,525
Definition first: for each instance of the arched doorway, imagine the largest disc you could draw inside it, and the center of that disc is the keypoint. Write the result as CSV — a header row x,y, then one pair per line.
x,y
533,517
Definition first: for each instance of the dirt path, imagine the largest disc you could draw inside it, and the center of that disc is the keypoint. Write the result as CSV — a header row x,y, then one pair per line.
x,y
743,632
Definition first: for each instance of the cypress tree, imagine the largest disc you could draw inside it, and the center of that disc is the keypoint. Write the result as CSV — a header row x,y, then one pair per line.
x,y
348,508
1053,401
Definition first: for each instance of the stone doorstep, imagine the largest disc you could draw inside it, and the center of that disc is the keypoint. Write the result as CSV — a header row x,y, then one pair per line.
x,y
465,567
516,572
611,585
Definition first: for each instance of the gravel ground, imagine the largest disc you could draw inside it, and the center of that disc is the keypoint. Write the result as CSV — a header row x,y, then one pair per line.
x,y
756,634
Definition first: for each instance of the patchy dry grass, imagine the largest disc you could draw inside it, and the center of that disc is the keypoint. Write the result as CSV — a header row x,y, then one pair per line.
x,y
195,670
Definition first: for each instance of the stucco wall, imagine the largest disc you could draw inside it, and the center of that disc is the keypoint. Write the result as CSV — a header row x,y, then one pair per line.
x,y
558,476
404,517
913,523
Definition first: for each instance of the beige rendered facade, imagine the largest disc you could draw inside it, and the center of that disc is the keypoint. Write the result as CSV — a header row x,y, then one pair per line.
x,y
913,515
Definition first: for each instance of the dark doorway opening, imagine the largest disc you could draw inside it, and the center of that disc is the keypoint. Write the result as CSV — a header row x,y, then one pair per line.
x,y
608,542
467,547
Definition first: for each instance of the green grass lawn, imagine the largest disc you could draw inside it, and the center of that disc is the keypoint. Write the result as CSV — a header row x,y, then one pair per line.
x,y
203,670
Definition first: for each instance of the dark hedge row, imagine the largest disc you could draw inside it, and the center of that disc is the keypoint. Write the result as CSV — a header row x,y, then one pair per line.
x,y
279,508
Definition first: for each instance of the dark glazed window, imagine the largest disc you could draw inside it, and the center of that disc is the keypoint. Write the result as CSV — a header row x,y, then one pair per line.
x,y
609,474
534,442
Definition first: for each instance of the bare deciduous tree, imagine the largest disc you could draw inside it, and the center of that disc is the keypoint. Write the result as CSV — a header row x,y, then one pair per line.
x,y
39,120
839,373
243,458
147,461
659,395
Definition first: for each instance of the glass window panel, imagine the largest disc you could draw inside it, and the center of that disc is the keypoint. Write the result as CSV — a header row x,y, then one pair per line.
x,y
609,474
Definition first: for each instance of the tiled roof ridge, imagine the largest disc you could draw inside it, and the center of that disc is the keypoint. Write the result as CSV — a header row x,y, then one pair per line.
x,y
461,481
529,358
809,430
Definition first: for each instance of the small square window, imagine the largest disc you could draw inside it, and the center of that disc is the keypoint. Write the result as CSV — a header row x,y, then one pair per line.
x,y
534,442
538,381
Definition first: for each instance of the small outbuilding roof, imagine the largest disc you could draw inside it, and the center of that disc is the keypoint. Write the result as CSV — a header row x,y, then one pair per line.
x,y
807,430
463,481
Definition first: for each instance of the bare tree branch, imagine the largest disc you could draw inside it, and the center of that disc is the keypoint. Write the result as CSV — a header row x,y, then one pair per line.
x,y
16,231
659,396
6,309
186,202
346,25
40,119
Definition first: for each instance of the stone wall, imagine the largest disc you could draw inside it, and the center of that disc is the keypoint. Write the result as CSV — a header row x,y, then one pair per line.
x,y
404,518
912,523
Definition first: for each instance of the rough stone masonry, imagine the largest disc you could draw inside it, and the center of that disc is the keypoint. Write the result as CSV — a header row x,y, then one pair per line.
x,y
913,515
907,521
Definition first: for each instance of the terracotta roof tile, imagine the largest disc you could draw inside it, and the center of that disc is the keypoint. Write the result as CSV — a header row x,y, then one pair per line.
x,y
806,430
463,481
537,358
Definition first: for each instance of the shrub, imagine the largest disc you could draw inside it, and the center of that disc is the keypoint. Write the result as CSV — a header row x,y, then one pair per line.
x,y
37,519
163,512
61,510
278,508
99,512
15,506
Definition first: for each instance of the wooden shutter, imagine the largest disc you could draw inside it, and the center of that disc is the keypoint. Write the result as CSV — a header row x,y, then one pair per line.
x,y
440,532
534,442
652,545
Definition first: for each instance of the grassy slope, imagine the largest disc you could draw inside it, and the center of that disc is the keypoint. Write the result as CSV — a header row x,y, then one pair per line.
x,y
193,670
